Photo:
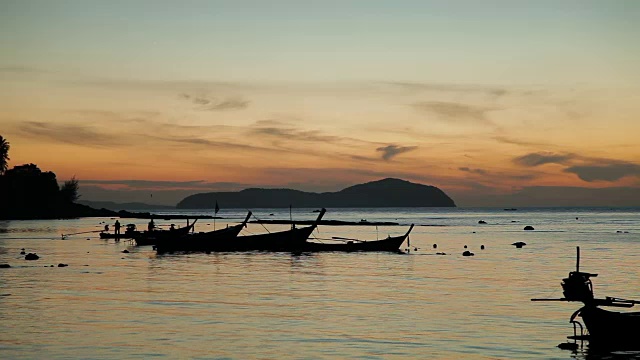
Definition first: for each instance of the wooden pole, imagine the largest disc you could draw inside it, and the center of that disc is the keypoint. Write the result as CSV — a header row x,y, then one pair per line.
x,y
578,259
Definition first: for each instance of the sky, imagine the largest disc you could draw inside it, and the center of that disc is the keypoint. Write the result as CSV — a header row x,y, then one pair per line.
x,y
154,100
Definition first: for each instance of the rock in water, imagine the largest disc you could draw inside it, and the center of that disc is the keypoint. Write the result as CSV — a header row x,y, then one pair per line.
x,y
31,256
125,251
62,265
528,227
519,244
4,266
467,253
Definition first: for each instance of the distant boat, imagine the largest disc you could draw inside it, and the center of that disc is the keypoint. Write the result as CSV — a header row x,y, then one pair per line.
x,y
391,244
606,329
152,237
510,209
147,237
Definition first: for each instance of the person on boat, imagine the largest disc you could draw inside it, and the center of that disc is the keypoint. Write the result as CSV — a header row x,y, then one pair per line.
x,y
116,226
151,226
106,228
172,227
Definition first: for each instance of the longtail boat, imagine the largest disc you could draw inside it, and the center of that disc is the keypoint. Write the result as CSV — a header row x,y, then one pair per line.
x,y
200,241
147,237
154,236
288,240
391,244
605,329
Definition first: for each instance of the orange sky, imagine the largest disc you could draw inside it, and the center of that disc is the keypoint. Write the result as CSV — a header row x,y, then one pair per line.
x,y
468,115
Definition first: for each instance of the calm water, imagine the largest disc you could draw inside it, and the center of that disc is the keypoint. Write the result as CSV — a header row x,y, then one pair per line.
x,y
108,305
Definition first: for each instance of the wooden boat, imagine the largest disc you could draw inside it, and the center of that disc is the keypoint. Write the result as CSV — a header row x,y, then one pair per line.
x,y
288,240
606,329
147,237
200,241
154,236
391,244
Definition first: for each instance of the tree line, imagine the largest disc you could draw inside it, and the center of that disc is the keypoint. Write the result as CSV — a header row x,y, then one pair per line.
x,y
26,192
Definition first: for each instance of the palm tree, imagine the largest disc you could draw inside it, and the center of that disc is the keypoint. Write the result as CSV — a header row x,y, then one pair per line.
x,y
4,154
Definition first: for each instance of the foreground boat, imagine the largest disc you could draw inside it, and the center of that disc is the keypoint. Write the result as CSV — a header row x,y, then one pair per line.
x,y
200,241
289,240
391,244
606,329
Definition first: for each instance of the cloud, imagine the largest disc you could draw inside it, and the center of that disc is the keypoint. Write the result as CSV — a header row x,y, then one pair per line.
x,y
605,172
67,133
212,104
391,151
541,158
167,185
508,140
455,112
586,168
229,104
473,171
290,133
420,87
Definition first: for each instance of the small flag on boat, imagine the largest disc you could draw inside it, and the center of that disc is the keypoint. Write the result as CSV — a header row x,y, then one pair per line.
x,y
217,207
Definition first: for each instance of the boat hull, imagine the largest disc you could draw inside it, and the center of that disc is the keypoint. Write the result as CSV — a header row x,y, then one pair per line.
x,y
391,244
611,329
202,241
290,241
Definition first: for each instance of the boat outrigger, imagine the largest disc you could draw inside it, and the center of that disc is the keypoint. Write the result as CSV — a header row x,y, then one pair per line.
x,y
605,329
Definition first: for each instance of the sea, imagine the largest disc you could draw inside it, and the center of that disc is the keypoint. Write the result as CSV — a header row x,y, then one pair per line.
x,y
109,303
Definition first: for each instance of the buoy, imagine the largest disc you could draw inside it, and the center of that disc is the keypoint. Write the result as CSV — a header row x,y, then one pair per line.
x,y
481,247
465,246
435,246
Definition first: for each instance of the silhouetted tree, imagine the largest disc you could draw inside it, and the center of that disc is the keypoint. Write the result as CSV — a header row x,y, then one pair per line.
x,y
4,154
69,191
28,192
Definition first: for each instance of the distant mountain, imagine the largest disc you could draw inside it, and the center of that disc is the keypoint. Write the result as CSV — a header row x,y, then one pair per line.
x,y
382,193
124,206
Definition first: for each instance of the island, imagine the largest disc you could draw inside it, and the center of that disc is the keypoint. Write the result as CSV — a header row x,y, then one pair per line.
x,y
388,192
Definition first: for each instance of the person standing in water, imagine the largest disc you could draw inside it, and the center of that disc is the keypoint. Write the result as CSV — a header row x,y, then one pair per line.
x,y
116,226
151,226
